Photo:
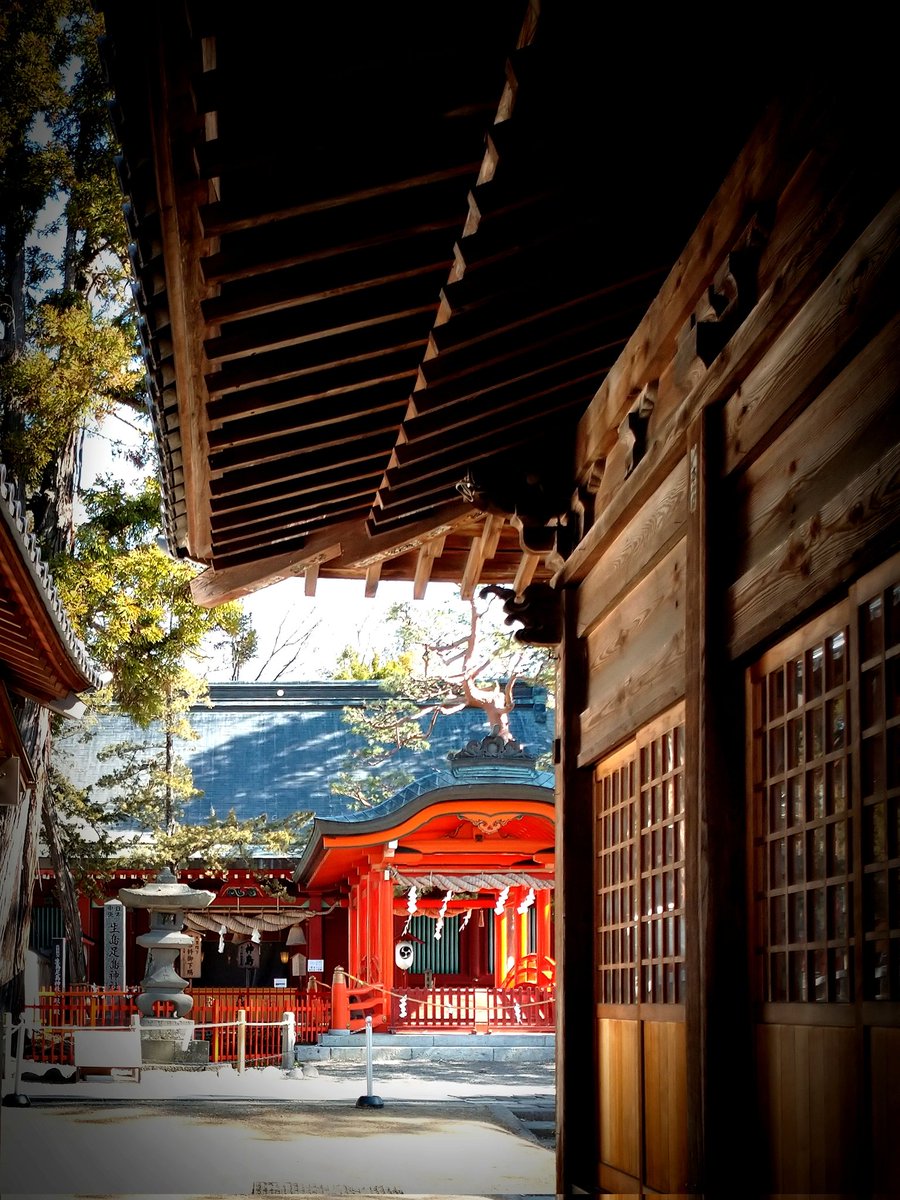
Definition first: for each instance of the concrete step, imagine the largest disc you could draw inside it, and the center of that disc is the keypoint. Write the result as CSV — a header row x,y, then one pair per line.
x,y
421,1038
446,1047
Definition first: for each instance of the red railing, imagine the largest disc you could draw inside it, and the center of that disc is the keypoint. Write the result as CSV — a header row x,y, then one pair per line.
x,y
471,1008
53,1020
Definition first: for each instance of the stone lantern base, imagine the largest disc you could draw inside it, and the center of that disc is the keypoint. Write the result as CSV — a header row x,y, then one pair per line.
x,y
168,1042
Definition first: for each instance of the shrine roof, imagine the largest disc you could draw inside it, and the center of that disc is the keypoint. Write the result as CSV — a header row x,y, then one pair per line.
x,y
273,747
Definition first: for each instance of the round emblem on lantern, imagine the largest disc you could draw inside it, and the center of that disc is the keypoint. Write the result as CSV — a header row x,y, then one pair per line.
x,y
403,955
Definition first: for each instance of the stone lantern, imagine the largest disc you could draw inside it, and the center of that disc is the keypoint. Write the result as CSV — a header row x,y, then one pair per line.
x,y
166,1039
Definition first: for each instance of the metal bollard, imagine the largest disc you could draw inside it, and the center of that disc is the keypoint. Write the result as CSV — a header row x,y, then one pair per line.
x,y
369,1101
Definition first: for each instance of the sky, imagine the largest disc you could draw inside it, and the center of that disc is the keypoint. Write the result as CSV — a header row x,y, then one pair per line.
x,y
340,610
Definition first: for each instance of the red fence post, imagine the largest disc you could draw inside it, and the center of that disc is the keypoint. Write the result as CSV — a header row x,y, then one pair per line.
x,y
340,1002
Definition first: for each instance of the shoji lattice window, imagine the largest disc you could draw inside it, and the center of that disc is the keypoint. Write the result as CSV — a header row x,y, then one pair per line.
x,y
617,879
662,867
639,810
802,820
878,622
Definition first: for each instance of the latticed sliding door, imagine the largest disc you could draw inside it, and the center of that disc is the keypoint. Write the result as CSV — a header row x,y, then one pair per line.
x,y
639,831
824,713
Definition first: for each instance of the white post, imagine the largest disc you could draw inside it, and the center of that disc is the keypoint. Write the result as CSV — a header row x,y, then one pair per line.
x,y
241,1039
368,1100
288,1038
368,1056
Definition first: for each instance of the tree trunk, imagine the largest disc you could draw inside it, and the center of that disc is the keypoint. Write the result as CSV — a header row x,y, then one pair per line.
x,y
65,892
54,505
19,831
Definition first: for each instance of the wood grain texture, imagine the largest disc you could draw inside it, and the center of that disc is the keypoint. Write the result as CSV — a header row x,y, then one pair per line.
x,y
809,1093
835,438
885,1102
649,536
636,658
665,1110
847,533
844,312
619,1044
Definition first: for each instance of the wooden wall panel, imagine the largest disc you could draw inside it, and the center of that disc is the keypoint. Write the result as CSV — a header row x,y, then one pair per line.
x,y
655,529
848,309
813,501
665,1108
620,1095
884,1054
636,658
808,1103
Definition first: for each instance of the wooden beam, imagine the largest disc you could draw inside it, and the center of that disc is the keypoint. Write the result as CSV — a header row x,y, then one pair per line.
x,y
855,528
373,574
720,1107
807,264
333,379
392,332
323,276
577,1106
181,242
219,219
424,563
309,240
349,542
310,579
525,572
760,173
482,548
353,308
319,414
345,457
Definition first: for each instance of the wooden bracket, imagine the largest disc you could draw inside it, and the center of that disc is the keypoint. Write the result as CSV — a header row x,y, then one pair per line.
x,y
538,608
725,304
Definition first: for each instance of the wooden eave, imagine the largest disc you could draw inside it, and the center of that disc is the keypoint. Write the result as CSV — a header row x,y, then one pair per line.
x,y
371,255
40,656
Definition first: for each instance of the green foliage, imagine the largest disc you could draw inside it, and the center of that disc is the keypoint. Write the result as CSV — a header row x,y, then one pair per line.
x,y
76,368
34,47
132,606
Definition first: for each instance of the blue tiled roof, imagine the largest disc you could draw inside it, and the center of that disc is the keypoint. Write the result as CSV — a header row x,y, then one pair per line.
x,y
272,748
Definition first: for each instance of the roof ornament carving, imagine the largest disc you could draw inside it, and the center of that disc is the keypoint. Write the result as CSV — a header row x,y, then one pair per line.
x,y
492,748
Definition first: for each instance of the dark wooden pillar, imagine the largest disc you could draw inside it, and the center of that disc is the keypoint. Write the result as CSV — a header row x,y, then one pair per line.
x,y
577,1152
719,1080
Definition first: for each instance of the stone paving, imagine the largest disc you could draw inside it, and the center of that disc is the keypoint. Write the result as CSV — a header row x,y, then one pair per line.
x,y
445,1129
